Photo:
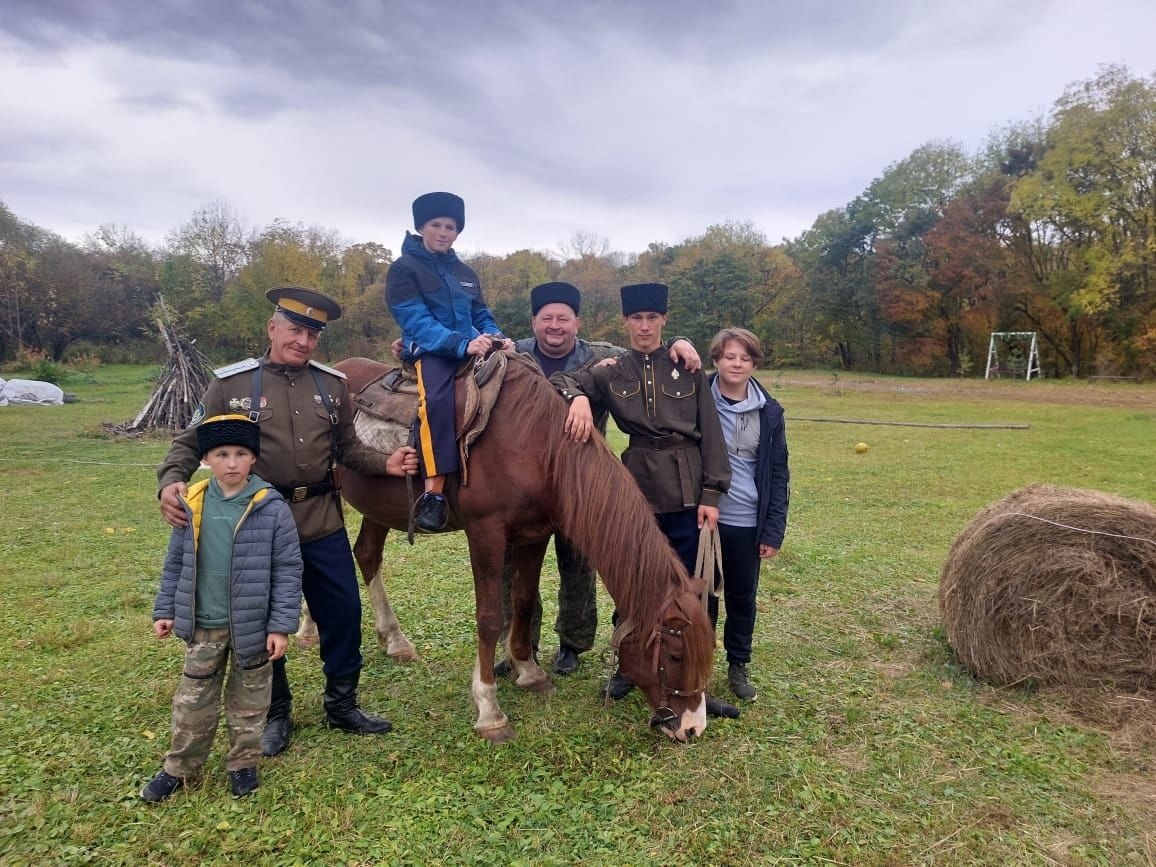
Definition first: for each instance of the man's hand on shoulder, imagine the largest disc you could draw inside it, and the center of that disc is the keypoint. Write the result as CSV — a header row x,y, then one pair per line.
x,y
683,350
170,501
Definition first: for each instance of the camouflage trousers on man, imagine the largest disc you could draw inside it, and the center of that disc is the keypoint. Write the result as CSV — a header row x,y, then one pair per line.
x,y
577,621
196,706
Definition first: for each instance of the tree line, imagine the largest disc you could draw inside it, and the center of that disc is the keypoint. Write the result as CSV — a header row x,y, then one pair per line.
x,y
1050,227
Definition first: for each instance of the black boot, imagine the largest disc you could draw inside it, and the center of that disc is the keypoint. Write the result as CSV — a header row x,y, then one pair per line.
x,y
716,707
566,662
342,712
619,686
429,513
278,722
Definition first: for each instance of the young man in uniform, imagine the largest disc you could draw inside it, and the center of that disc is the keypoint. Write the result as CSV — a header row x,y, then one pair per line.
x,y
676,451
306,421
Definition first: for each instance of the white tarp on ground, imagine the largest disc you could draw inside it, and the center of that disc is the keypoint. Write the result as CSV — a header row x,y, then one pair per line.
x,y
30,392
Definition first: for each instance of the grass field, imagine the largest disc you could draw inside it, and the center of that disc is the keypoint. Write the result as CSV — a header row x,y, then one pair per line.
x,y
867,745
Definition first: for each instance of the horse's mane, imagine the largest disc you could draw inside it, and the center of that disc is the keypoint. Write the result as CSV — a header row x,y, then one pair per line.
x,y
598,506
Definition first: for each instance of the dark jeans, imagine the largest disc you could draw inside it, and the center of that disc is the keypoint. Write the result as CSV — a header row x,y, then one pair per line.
x,y
741,563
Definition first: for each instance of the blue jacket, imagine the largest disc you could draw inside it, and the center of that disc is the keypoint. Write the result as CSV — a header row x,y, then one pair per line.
x,y
772,474
437,301
265,579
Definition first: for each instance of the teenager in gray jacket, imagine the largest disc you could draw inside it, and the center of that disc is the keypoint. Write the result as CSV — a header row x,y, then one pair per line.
x,y
231,587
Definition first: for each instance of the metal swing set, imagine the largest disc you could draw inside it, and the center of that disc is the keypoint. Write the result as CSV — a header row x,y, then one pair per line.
x,y
1014,365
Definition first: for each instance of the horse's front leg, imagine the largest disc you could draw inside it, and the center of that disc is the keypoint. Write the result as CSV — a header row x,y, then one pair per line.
x,y
526,571
487,553
368,550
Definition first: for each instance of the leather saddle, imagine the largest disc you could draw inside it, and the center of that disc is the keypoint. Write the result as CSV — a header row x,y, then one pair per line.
x,y
386,417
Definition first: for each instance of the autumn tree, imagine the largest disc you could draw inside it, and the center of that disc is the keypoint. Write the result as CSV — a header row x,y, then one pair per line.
x,y
1086,218
214,245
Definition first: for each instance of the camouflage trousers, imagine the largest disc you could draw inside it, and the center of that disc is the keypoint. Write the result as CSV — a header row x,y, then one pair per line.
x,y
577,621
196,705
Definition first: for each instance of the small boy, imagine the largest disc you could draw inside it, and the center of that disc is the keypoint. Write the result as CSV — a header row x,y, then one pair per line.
x,y
231,585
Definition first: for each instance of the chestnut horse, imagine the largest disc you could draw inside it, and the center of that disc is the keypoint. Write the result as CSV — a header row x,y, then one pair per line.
x,y
526,481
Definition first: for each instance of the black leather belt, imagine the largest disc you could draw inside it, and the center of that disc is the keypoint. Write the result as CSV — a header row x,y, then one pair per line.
x,y
304,492
669,441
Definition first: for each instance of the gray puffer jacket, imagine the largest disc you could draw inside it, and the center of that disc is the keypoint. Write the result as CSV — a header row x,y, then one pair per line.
x,y
265,579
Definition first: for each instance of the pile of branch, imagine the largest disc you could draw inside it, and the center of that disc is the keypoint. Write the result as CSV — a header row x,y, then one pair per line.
x,y
179,387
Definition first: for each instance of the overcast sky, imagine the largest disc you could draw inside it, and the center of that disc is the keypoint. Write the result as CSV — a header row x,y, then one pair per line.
x,y
634,121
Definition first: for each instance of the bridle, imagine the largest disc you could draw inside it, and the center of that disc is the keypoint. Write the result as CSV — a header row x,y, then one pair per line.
x,y
664,717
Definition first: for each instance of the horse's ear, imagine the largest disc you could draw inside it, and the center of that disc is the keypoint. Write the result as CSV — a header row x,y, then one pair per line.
x,y
697,586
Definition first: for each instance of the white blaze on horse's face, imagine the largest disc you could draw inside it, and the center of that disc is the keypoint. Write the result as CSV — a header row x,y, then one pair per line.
x,y
691,723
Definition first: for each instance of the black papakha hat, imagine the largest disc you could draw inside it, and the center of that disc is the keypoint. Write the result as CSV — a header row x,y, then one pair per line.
x,y
228,430
431,205
555,293
306,307
644,298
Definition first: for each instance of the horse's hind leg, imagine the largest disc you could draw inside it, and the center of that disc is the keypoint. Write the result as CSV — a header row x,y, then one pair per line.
x,y
307,631
367,550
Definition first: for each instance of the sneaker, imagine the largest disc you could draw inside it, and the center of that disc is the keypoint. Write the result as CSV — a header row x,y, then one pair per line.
x,y
429,513
243,782
740,681
161,787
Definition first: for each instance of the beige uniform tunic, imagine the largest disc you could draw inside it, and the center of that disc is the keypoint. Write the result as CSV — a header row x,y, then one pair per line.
x,y
295,434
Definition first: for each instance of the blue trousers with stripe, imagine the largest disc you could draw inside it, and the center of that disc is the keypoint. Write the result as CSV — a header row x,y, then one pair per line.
x,y
437,439
329,583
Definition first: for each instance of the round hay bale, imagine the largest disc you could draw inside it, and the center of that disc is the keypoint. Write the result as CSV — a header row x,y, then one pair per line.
x,y
1056,586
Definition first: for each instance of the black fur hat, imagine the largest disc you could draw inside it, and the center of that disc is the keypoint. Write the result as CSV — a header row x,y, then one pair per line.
x,y
555,293
644,298
228,430
431,205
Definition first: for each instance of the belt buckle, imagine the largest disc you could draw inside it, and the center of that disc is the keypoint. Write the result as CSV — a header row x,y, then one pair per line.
x,y
301,492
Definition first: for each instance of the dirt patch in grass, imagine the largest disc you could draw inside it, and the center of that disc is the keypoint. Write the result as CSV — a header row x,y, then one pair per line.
x,y
1062,392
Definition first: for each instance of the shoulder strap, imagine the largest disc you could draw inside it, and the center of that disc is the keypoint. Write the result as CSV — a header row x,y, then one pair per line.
x,y
255,395
235,368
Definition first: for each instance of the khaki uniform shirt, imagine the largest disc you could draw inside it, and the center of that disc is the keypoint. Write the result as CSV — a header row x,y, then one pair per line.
x,y
295,435
677,453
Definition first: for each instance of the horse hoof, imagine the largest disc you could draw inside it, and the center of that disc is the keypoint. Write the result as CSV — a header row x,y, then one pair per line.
x,y
405,655
500,735
399,651
541,687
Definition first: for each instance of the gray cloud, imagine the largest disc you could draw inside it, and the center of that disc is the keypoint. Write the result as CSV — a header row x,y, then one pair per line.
x,y
637,120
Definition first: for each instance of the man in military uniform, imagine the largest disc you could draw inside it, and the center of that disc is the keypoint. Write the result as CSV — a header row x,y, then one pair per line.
x,y
555,309
676,453
306,421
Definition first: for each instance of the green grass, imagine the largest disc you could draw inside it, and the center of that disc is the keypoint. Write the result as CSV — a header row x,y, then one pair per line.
x,y
867,745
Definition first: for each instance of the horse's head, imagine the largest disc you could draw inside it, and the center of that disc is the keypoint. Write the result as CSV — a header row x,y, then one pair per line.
x,y
670,661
